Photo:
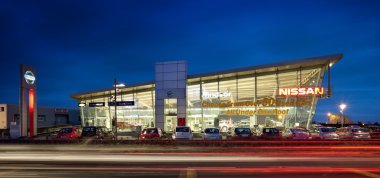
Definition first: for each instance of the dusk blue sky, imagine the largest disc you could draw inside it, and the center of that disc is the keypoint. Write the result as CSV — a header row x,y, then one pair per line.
x,y
83,45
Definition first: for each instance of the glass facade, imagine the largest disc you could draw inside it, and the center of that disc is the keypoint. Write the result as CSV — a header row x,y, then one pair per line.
x,y
219,102
225,100
252,100
170,108
129,118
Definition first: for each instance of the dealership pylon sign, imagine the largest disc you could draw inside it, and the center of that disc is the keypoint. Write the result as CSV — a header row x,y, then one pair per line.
x,y
28,102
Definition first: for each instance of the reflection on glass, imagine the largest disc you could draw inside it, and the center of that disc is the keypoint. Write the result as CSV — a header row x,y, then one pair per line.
x,y
170,108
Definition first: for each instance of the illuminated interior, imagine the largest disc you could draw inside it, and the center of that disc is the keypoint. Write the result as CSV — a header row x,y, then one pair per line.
x,y
225,99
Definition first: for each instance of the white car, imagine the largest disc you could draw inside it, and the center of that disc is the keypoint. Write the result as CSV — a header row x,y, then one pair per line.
x,y
212,134
182,133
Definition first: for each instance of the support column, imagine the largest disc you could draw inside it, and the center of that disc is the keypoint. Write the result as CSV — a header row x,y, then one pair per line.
x,y
23,113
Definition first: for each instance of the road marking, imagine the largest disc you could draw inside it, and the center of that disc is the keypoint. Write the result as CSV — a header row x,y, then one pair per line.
x,y
6,173
188,173
191,173
364,173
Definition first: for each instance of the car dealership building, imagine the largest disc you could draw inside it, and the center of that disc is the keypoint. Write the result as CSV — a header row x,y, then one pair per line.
x,y
283,94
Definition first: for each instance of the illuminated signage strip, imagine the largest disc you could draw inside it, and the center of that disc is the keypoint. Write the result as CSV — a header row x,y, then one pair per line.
x,y
122,103
96,104
61,110
249,112
300,91
216,94
266,102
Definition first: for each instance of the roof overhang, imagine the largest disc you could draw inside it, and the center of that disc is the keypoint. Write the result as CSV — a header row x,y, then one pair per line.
x,y
268,68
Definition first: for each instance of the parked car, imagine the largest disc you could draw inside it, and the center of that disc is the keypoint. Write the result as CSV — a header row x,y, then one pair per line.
x,y
270,133
211,134
95,132
374,131
226,125
343,133
296,134
242,133
244,123
68,133
357,132
151,133
314,133
182,133
328,133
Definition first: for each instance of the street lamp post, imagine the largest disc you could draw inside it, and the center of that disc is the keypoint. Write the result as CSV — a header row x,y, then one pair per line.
x,y
342,107
116,85
328,117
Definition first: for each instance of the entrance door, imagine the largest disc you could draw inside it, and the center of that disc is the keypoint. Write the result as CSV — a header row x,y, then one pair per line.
x,y
170,121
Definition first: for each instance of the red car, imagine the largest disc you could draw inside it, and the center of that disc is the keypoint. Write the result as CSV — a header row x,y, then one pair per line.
x,y
69,133
151,133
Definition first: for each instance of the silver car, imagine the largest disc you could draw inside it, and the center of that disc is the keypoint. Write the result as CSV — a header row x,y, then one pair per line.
x,y
357,132
212,134
297,134
328,133
182,133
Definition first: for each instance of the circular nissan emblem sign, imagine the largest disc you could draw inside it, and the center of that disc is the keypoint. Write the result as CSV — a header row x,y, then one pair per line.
x,y
169,93
29,77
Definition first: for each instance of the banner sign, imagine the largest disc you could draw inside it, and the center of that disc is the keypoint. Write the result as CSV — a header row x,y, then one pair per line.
x,y
61,110
122,103
97,104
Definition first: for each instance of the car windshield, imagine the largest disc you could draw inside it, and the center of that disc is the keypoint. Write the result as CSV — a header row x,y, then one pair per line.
x,y
212,131
328,129
104,129
242,130
360,130
270,130
297,130
182,129
89,129
66,130
149,131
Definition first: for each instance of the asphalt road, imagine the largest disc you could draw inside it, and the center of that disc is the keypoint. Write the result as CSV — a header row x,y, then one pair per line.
x,y
188,161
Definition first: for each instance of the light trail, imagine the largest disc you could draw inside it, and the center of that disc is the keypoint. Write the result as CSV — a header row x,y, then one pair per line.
x,y
282,169
171,147
115,160
174,157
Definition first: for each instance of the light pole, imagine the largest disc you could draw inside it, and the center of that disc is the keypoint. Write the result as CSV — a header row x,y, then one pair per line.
x,y
116,85
342,107
328,117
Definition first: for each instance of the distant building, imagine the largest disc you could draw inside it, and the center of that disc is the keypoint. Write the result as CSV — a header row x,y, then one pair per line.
x,y
47,118
337,119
